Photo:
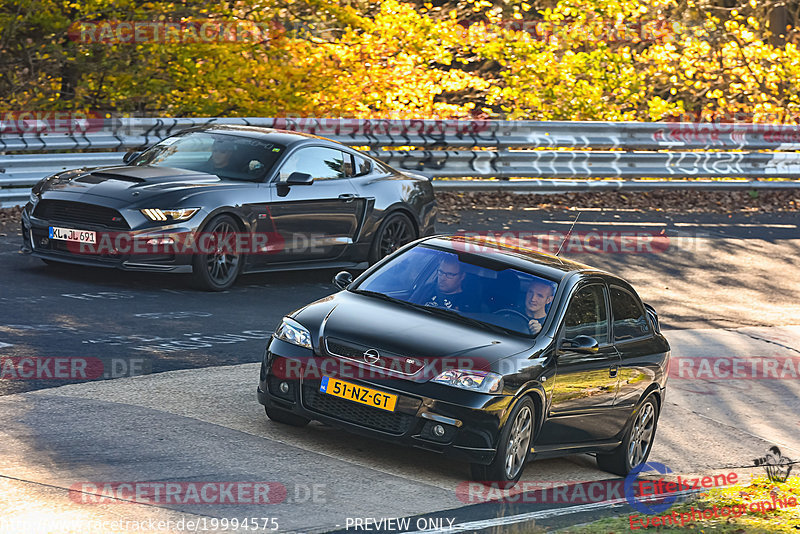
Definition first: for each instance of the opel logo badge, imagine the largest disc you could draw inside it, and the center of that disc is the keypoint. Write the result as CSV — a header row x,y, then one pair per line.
x,y
371,356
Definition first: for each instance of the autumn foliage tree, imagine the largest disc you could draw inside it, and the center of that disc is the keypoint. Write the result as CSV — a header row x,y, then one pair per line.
x,y
548,59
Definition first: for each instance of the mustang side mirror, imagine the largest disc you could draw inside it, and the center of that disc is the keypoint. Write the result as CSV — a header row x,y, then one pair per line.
x,y
299,178
343,279
130,156
584,344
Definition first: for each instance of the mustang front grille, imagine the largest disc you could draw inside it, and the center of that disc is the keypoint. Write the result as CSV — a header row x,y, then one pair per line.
x,y
79,213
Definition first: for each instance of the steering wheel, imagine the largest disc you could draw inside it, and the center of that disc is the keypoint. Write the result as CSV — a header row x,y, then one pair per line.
x,y
510,311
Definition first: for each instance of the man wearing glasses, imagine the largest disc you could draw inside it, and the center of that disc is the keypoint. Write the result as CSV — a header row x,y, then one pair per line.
x,y
448,292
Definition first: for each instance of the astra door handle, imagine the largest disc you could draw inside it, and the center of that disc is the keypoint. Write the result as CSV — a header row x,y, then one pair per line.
x,y
347,197
612,372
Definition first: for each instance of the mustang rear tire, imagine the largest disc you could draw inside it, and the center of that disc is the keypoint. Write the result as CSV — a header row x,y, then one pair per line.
x,y
287,418
218,264
395,231
638,441
513,448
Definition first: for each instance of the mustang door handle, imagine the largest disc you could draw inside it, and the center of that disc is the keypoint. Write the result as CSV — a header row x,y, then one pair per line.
x,y
613,371
347,197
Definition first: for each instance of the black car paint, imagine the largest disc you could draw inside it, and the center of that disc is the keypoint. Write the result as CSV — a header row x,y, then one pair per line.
x,y
128,189
530,366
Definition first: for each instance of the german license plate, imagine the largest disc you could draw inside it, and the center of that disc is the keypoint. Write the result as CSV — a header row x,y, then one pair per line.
x,y
360,394
70,234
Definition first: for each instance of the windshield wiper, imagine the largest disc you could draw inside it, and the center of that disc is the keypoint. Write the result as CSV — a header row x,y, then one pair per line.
x,y
444,312
383,296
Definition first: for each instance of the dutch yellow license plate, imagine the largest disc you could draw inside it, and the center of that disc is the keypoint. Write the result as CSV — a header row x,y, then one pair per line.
x,y
355,393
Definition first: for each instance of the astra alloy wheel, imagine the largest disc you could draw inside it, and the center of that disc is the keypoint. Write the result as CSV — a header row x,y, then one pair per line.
x,y
638,441
513,448
218,264
395,231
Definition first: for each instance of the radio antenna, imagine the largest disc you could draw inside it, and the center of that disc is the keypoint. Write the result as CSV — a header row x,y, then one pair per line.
x,y
568,234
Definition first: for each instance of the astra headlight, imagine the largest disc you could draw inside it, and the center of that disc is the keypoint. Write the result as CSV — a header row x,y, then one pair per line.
x,y
34,198
293,332
159,215
472,380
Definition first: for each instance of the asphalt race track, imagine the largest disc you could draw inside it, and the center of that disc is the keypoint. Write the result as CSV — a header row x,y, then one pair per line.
x,y
724,287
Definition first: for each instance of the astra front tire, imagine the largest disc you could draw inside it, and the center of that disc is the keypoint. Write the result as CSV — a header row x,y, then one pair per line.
x,y
513,448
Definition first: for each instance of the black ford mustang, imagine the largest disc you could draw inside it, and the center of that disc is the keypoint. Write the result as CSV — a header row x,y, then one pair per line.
x,y
218,201
486,352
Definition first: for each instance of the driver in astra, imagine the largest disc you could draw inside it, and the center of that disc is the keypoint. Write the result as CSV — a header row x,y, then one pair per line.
x,y
448,292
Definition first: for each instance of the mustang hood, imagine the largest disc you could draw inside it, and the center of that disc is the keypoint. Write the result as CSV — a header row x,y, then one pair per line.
x,y
120,182
355,323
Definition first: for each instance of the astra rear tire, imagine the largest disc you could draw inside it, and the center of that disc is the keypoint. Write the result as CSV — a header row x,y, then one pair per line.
x,y
513,449
218,265
395,231
637,444
287,418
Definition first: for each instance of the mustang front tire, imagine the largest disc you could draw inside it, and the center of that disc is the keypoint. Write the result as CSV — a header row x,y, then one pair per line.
x,y
218,264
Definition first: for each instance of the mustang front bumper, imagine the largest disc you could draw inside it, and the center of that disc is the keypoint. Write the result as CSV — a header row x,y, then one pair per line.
x,y
125,250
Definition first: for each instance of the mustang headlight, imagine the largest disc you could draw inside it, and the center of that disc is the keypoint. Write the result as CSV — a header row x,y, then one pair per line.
x,y
482,381
293,332
158,215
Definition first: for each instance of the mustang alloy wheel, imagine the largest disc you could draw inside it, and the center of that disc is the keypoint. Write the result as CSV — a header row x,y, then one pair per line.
x,y
396,231
218,265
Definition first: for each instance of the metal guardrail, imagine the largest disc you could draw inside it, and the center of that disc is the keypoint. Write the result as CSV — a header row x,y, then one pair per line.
x,y
594,164
122,133
486,149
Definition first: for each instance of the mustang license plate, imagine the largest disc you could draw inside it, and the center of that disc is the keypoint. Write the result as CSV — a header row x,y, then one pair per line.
x,y
70,234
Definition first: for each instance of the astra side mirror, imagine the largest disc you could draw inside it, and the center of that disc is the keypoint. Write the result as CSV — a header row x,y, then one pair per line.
x,y
343,279
130,156
583,344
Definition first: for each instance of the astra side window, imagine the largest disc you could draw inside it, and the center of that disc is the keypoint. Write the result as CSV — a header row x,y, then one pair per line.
x,y
586,314
630,320
320,162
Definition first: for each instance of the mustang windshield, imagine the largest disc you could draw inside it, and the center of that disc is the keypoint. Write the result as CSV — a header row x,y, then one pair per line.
x,y
471,288
228,156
